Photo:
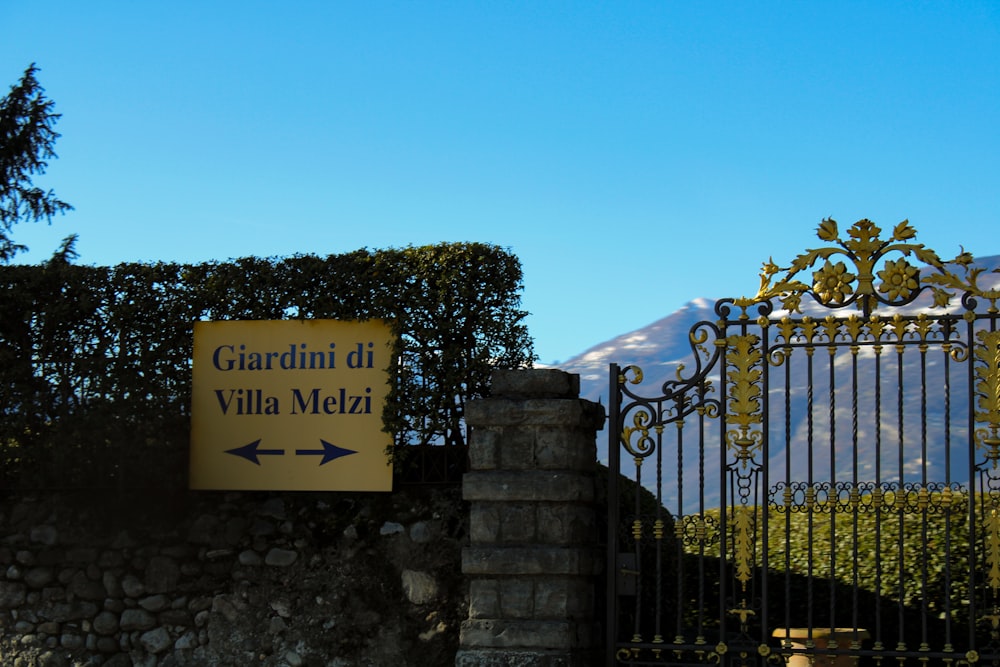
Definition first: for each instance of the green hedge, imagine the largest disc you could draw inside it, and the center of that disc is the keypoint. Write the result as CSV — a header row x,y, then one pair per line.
x,y
95,362
909,560
871,549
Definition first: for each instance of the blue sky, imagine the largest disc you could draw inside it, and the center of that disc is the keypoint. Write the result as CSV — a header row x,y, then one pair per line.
x,y
634,155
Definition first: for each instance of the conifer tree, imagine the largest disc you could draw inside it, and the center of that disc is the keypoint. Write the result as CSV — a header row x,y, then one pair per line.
x,y
27,138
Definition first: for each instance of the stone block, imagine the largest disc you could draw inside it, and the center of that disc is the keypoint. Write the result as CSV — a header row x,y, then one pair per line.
x,y
535,412
519,658
517,522
565,449
565,597
484,523
495,561
517,598
531,486
566,524
484,598
535,382
519,634
484,448
517,449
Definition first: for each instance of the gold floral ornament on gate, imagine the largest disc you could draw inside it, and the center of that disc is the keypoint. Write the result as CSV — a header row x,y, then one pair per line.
x,y
844,272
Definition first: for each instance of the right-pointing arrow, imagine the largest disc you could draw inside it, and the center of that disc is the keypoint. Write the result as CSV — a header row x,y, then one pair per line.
x,y
329,452
251,451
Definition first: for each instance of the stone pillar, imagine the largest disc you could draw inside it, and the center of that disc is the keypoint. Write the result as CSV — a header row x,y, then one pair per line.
x,y
533,555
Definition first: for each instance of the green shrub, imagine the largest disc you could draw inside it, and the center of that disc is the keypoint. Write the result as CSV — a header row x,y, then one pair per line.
x,y
95,362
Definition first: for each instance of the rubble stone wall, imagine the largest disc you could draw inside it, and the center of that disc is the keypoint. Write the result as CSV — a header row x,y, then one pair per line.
x,y
219,579
500,574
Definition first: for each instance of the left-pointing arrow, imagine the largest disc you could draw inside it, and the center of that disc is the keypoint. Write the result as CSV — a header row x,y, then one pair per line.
x,y
251,451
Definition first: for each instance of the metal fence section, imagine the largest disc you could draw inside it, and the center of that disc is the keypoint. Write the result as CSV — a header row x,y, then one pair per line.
x,y
820,481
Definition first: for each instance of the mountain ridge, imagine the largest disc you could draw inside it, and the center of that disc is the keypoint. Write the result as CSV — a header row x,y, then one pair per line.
x,y
662,349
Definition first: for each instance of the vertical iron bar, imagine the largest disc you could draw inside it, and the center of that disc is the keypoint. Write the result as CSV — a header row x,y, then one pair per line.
x,y
810,490
832,496
855,491
946,351
678,519
973,483
901,496
637,536
788,490
880,495
924,609
611,611
765,465
658,536
701,515
723,500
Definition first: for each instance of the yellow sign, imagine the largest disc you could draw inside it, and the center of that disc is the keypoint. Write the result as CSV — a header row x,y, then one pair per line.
x,y
290,405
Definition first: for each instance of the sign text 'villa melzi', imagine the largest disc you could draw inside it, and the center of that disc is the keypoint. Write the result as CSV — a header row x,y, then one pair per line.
x,y
290,405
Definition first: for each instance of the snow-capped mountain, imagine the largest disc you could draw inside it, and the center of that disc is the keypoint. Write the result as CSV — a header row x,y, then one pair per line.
x,y
661,347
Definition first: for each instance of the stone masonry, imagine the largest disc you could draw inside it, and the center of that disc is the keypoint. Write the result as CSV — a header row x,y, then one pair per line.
x,y
533,552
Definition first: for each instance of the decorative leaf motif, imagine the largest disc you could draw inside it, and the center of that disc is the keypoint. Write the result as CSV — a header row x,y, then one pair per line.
x,y
792,302
743,359
927,256
903,231
963,258
828,230
941,297
987,370
743,520
865,231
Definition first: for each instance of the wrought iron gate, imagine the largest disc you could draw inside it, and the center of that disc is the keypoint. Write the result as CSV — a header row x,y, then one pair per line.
x,y
821,482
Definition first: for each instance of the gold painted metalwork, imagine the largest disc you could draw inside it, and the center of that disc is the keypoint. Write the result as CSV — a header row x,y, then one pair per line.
x,y
642,445
743,520
744,613
694,529
845,270
987,385
624,654
743,360
993,550
833,282
636,375
923,499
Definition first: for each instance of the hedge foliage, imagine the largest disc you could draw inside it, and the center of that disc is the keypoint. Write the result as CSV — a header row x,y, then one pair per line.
x,y
95,362
872,550
903,559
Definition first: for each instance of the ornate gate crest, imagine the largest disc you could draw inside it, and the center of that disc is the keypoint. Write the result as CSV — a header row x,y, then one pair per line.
x,y
823,479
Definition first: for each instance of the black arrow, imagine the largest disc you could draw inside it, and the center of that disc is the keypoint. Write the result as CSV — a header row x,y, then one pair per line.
x,y
250,452
329,452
